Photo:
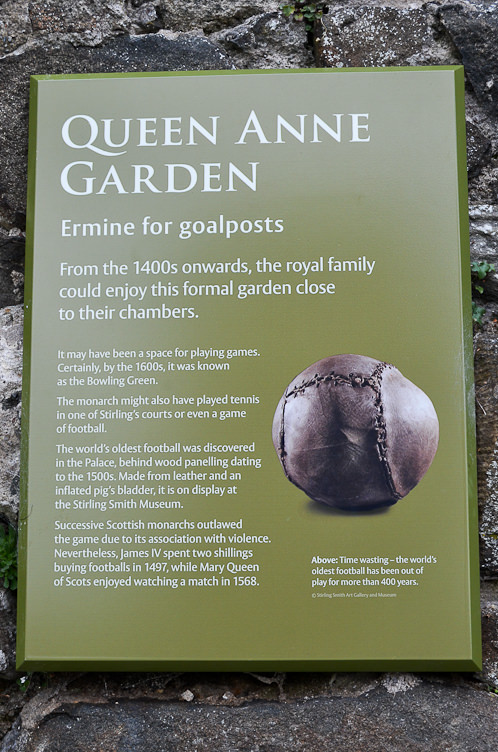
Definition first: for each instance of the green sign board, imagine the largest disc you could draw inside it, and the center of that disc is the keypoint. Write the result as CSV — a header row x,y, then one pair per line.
x,y
248,433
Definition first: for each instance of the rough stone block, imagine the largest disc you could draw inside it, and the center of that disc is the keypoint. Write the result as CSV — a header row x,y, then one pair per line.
x,y
483,221
267,41
473,27
15,26
478,150
10,410
489,611
404,712
211,15
86,21
7,634
365,35
486,376
11,269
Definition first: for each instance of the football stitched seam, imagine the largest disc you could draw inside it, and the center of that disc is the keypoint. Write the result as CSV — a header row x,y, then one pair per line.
x,y
354,380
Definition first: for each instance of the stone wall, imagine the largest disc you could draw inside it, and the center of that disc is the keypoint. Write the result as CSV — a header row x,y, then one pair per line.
x,y
222,712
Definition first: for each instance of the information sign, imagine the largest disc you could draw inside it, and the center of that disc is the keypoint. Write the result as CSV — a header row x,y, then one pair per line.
x,y
247,407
